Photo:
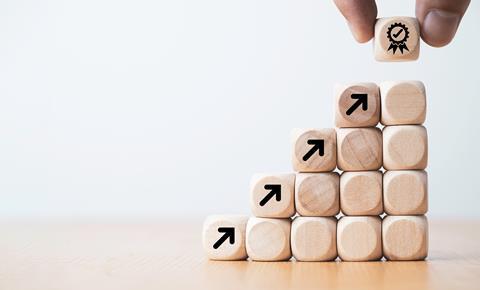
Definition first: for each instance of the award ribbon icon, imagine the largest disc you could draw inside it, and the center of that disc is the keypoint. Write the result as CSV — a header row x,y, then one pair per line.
x,y
397,34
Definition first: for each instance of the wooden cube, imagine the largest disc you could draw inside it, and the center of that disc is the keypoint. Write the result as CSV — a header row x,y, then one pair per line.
x,y
314,150
268,239
317,194
272,195
359,238
314,238
405,147
361,193
397,39
405,192
403,103
224,237
359,149
405,238
357,105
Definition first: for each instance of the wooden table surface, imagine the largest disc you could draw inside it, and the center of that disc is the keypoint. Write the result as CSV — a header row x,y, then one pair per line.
x,y
168,255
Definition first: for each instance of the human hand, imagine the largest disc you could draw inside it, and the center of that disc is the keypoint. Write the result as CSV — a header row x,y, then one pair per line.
x,y
439,19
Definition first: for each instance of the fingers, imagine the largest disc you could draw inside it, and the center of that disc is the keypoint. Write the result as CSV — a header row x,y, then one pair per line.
x,y
439,19
360,15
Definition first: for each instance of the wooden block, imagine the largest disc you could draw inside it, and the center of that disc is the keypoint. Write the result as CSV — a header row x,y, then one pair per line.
x,y
405,147
272,195
314,238
403,103
405,238
359,238
359,149
405,192
314,150
224,237
317,194
361,193
357,105
397,39
268,239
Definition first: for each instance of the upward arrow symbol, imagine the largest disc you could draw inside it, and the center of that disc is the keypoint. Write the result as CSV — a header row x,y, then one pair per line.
x,y
318,144
362,99
275,190
228,233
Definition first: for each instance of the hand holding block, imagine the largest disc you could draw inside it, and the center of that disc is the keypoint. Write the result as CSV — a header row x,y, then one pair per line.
x,y
224,237
405,238
397,39
359,238
314,150
357,105
314,238
268,239
405,147
272,195
405,192
317,194
359,149
403,103
361,193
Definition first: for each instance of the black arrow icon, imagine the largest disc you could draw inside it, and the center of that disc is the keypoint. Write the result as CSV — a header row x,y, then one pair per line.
x,y
228,233
318,144
362,99
275,190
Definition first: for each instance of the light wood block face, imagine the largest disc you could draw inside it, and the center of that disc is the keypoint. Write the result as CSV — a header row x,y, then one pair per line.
x,y
314,150
405,192
405,238
397,39
359,149
405,147
359,238
361,193
314,238
272,195
268,239
317,194
224,237
357,105
403,103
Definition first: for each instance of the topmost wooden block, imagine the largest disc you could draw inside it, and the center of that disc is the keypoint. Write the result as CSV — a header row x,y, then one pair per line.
x,y
397,39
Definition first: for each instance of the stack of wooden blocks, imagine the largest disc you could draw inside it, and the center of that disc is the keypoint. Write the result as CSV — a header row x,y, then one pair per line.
x,y
362,192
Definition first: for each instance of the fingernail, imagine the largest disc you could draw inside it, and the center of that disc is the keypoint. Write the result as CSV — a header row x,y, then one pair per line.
x,y
439,27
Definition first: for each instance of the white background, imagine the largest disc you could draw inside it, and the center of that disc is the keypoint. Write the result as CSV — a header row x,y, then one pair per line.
x,y
148,108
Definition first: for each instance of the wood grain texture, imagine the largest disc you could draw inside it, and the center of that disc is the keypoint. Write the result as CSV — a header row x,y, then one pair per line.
x,y
405,192
317,194
314,238
405,147
168,254
382,43
405,237
211,235
359,117
268,239
403,103
315,163
359,238
361,193
359,149
283,208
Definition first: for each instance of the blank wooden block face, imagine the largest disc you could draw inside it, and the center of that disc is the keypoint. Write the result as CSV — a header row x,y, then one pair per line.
x,y
403,103
314,150
359,149
359,238
405,192
317,194
405,238
357,105
268,239
405,147
314,238
272,195
224,237
397,39
361,193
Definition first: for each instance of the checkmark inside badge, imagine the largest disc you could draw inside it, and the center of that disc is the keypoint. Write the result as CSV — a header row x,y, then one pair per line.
x,y
398,33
